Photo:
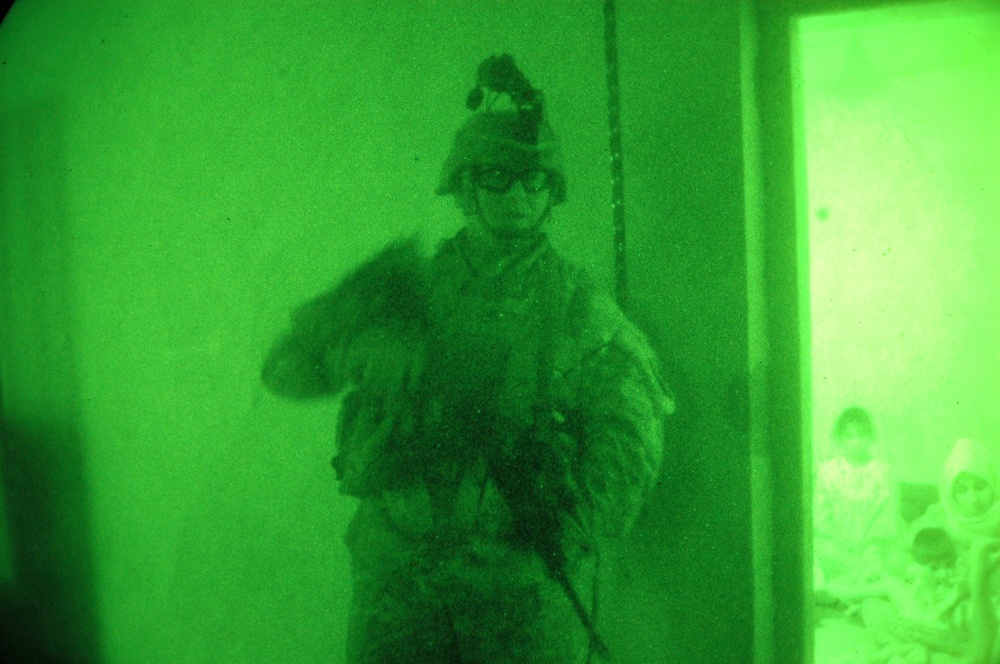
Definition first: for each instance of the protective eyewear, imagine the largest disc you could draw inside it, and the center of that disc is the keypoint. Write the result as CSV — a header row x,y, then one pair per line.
x,y
500,180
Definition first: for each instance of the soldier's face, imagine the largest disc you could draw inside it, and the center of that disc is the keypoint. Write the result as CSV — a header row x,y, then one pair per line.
x,y
516,210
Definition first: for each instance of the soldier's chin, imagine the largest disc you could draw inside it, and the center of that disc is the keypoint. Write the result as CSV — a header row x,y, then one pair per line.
x,y
514,233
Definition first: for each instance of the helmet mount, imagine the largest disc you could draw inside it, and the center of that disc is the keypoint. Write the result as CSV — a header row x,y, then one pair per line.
x,y
499,75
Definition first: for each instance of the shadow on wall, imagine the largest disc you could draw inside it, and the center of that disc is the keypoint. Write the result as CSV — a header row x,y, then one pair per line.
x,y
46,608
46,612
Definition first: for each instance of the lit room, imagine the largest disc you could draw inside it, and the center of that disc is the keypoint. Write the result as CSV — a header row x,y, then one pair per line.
x,y
278,352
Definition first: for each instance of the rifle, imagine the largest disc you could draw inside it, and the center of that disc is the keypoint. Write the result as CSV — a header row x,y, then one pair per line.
x,y
531,471
533,482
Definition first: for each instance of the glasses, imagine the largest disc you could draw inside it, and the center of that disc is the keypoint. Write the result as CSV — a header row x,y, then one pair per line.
x,y
500,180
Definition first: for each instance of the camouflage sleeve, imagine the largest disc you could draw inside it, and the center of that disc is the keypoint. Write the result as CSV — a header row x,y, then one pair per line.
x,y
295,365
336,337
623,405
376,369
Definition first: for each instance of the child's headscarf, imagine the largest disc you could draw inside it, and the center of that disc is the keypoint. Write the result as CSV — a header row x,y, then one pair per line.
x,y
976,458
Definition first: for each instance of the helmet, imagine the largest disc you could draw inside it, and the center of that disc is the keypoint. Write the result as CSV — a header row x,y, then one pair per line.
x,y
517,138
490,138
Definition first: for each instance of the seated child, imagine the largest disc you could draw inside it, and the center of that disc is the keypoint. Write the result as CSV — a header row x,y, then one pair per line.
x,y
943,608
855,515
922,617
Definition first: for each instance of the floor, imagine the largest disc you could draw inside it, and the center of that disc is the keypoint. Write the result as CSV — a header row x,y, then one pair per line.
x,y
841,641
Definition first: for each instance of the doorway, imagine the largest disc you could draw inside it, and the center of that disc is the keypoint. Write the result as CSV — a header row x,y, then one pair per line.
x,y
897,153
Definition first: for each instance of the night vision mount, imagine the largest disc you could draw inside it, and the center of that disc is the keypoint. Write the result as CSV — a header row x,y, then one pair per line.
x,y
499,75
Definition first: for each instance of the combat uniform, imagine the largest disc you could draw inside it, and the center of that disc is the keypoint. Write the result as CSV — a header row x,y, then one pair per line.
x,y
500,419
437,568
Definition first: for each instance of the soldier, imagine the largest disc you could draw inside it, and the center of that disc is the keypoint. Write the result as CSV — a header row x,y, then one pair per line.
x,y
500,418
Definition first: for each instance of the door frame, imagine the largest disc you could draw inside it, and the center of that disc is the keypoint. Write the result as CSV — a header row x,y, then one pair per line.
x,y
785,251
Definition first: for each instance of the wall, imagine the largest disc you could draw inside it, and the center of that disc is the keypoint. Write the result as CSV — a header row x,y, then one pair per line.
x,y
684,141
212,167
